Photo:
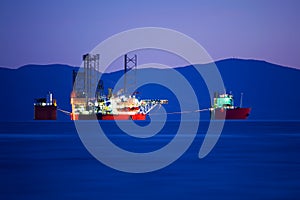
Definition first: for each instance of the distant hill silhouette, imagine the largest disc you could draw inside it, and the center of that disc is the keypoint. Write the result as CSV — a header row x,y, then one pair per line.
x,y
271,90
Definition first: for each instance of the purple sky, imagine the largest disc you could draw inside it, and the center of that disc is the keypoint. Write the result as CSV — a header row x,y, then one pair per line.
x,y
60,31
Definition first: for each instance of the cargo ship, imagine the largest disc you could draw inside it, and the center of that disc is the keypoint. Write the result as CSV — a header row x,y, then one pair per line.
x,y
223,108
45,108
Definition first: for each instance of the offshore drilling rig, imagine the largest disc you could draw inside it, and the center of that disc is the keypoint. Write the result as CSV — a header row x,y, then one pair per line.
x,y
90,103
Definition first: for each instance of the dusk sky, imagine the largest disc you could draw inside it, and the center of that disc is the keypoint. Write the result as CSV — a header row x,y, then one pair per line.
x,y
60,31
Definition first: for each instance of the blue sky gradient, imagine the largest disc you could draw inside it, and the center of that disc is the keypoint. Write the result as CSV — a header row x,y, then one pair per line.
x,y
60,31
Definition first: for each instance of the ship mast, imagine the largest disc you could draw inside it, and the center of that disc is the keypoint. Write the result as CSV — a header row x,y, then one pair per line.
x,y
130,63
241,101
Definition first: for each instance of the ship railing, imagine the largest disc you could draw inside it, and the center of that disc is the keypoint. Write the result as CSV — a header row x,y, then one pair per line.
x,y
149,104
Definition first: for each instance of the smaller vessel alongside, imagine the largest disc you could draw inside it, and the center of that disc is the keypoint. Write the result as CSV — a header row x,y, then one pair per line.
x,y
45,108
223,108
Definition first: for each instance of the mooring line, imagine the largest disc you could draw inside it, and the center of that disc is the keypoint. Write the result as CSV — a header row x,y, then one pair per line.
x,y
64,111
182,112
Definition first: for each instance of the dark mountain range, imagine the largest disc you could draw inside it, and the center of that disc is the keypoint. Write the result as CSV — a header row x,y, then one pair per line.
x,y
272,91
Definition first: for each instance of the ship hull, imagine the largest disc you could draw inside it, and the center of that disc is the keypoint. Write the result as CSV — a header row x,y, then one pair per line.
x,y
236,113
48,112
138,116
115,117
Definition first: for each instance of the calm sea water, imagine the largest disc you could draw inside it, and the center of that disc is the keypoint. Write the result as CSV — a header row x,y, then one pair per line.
x,y
252,160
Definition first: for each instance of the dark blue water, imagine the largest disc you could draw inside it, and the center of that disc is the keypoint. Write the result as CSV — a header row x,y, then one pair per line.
x,y
252,160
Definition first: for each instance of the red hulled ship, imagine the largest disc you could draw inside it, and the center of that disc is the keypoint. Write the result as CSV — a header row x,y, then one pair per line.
x,y
45,108
224,108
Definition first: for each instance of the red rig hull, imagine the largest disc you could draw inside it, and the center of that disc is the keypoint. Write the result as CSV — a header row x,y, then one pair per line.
x,y
138,116
123,117
235,113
